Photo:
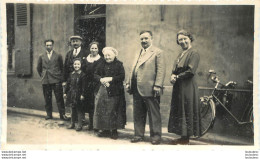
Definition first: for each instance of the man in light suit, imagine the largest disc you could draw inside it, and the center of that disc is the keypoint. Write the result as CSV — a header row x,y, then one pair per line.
x,y
50,69
146,84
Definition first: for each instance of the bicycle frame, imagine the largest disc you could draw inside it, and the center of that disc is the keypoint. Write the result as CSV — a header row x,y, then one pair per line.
x,y
214,97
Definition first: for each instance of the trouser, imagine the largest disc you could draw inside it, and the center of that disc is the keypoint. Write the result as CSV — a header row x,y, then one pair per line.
x,y
91,114
142,106
77,114
58,92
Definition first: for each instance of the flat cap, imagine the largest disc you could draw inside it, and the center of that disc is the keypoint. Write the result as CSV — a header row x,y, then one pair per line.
x,y
76,37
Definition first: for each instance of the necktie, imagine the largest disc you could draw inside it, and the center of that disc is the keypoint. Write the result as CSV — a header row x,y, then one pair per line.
x,y
49,55
143,53
75,53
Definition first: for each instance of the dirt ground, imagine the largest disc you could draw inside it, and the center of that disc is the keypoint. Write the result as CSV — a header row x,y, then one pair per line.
x,y
27,127
30,129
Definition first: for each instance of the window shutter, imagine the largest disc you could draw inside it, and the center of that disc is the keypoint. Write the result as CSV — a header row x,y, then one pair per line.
x,y
23,60
21,14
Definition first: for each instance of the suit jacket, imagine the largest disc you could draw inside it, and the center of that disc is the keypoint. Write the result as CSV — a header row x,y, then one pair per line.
x,y
50,70
68,65
148,72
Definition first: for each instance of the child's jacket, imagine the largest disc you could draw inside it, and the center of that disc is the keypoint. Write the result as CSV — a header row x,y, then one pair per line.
x,y
75,87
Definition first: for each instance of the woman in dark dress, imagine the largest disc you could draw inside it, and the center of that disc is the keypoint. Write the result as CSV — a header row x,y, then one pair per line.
x,y
184,117
109,114
92,61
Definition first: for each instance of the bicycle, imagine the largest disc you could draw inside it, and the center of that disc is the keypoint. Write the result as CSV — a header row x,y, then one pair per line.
x,y
222,97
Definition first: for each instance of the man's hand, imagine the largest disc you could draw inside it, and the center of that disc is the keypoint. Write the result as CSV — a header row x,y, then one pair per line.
x,y
82,97
64,83
127,86
157,91
65,96
128,89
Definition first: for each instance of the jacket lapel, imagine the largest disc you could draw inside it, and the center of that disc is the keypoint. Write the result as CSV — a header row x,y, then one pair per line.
x,y
147,55
80,54
136,59
45,56
53,55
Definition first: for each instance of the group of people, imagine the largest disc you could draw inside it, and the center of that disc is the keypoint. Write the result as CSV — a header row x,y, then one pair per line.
x,y
94,84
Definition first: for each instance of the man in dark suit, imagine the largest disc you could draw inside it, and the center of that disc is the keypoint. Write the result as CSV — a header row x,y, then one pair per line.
x,y
76,52
50,69
146,83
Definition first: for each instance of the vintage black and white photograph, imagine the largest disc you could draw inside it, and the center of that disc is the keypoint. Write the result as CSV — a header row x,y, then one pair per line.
x,y
85,74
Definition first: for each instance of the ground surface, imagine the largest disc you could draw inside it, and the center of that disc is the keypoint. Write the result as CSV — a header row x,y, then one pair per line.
x,y
28,127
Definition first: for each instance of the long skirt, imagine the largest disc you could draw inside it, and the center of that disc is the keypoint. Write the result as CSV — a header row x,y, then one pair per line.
x,y
107,115
184,117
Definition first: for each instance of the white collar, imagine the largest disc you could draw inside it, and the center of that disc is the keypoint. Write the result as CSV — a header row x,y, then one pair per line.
x,y
147,48
79,72
49,52
78,49
92,59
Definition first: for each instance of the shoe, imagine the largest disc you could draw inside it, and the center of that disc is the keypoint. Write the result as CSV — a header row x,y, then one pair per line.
x,y
71,126
90,128
79,128
95,131
156,140
114,134
184,142
137,139
104,133
180,141
64,117
48,117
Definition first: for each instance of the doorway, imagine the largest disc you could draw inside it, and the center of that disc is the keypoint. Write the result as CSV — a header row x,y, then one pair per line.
x,y
90,24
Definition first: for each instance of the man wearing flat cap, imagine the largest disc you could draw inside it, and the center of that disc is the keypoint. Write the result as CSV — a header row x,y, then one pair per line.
x,y
76,52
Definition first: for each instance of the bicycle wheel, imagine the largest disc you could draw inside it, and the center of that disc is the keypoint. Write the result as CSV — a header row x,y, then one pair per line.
x,y
207,114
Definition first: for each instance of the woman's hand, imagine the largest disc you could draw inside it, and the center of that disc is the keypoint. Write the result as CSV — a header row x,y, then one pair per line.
x,y
108,79
65,96
173,78
106,84
82,97
105,81
102,81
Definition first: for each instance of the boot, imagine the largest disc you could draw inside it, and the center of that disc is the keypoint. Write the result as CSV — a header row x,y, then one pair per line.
x,y
114,134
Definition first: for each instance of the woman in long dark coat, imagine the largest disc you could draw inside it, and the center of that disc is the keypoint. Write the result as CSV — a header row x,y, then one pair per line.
x,y
109,114
184,117
92,61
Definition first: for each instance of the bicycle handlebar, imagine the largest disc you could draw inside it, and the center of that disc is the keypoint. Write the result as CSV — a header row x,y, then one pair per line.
x,y
231,83
216,80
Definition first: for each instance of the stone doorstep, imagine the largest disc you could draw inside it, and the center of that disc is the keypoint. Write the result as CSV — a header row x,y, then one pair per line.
x,y
209,138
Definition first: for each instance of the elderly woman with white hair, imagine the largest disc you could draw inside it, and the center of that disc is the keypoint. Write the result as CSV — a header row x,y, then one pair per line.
x,y
109,114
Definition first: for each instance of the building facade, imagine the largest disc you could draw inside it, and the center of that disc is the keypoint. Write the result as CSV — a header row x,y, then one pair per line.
x,y
224,38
